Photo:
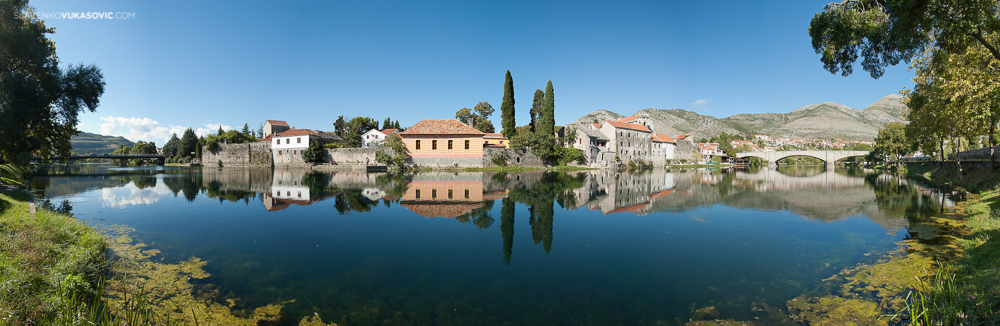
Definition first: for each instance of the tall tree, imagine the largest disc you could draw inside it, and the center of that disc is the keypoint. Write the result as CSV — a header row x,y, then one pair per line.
x,y
246,130
465,116
891,144
387,124
189,143
340,127
548,117
39,102
483,111
507,108
536,109
885,32
172,147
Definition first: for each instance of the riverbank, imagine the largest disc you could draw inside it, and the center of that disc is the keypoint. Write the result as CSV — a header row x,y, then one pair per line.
x,y
46,261
967,291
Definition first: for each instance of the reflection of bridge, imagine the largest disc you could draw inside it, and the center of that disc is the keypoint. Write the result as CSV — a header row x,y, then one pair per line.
x,y
826,156
774,180
122,157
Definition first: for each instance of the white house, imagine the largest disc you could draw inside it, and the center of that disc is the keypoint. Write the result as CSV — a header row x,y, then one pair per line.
x,y
287,146
663,148
374,137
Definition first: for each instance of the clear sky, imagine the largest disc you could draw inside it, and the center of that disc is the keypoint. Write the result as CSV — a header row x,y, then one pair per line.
x,y
175,64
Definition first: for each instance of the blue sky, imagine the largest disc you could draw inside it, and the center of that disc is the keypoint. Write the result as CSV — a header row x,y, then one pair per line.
x,y
201,64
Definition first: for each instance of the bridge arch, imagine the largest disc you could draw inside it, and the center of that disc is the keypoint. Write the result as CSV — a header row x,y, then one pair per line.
x,y
826,156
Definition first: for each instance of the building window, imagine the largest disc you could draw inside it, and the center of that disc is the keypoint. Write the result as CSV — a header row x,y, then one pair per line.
x,y
501,142
288,141
434,144
434,193
466,193
279,152
466,144
277,141
418,144
450,194
449,144
298,140
418,192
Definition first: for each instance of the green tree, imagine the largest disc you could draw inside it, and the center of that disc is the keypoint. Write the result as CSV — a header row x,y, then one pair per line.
x,y
142,147
221,132
465,116
355,128
507,108
189,142
483,111
891,144
548,114
885,32
39,102
340,127
536,109
246,130
401,156
313,154
172,147
387,124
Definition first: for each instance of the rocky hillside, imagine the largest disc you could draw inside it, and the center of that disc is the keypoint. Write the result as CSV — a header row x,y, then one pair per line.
x,y
815,121
87,143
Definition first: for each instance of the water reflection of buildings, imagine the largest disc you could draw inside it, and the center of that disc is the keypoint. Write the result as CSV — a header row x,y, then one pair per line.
x,y
612,192
446,195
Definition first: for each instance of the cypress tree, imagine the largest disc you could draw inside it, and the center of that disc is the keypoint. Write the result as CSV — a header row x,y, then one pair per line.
x,y
536,109
507,108
548,116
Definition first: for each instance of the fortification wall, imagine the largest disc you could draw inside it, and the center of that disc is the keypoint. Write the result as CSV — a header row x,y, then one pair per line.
x,y
257,154
514,157
354,156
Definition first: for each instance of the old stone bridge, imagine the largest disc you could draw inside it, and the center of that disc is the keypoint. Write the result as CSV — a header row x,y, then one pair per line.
x,y
830,157
158,158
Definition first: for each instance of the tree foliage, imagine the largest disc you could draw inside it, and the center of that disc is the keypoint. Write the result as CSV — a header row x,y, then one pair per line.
x,y
313,154
173,146
891,144
39,101
189,143
536,109
478,117
886,32
507,108
547,118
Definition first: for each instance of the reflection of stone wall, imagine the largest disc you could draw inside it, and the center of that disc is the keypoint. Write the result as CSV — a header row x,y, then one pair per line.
x,y
515,157
239,179
238,155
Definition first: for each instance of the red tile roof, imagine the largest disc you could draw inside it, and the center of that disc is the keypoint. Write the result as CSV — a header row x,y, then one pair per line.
x,y
277,123
298,132
663,138
596,125
494,136
632,126
627,119
388,131
441,127
683,137
633,209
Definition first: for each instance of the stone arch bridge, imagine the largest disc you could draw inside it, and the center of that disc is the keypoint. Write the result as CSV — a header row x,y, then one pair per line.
x,y
830,157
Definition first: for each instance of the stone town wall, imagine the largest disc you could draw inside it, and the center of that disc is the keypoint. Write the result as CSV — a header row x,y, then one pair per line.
x,y
256,154
687,150
288,157
515,157
982,153
353,156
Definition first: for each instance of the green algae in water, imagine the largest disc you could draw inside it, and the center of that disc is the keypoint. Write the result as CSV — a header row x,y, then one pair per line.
x,y
835,311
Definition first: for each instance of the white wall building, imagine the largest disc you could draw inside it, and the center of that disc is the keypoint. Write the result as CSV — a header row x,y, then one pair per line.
x,y
374,137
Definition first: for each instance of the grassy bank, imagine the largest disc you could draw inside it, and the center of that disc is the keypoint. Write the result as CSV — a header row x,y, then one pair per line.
x,y
48,264
966,292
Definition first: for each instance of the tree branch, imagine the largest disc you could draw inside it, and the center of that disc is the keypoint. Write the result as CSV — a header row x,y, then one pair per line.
x,y
979,37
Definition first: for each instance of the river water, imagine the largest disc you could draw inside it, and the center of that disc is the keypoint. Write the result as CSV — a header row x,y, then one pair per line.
x,y
529,248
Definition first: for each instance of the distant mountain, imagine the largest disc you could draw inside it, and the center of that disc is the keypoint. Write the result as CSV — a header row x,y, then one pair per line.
x,y
815,121
87,143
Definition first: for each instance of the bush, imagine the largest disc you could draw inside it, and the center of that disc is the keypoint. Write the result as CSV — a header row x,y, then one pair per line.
x,y
314,154
500,159
402,154
213,147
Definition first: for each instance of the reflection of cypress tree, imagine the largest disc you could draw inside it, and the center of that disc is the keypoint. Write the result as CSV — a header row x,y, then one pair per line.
x,y
536,233
545,213
191,187
507,228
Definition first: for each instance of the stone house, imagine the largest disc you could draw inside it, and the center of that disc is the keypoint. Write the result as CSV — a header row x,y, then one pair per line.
x,y
274,127
374,137
444,143
287,146
663,149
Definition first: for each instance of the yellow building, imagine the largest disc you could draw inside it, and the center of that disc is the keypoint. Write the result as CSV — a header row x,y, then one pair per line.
x,y
444,143
496,140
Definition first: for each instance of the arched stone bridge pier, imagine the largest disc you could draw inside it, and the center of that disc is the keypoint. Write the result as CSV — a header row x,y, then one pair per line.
x,y
830,157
